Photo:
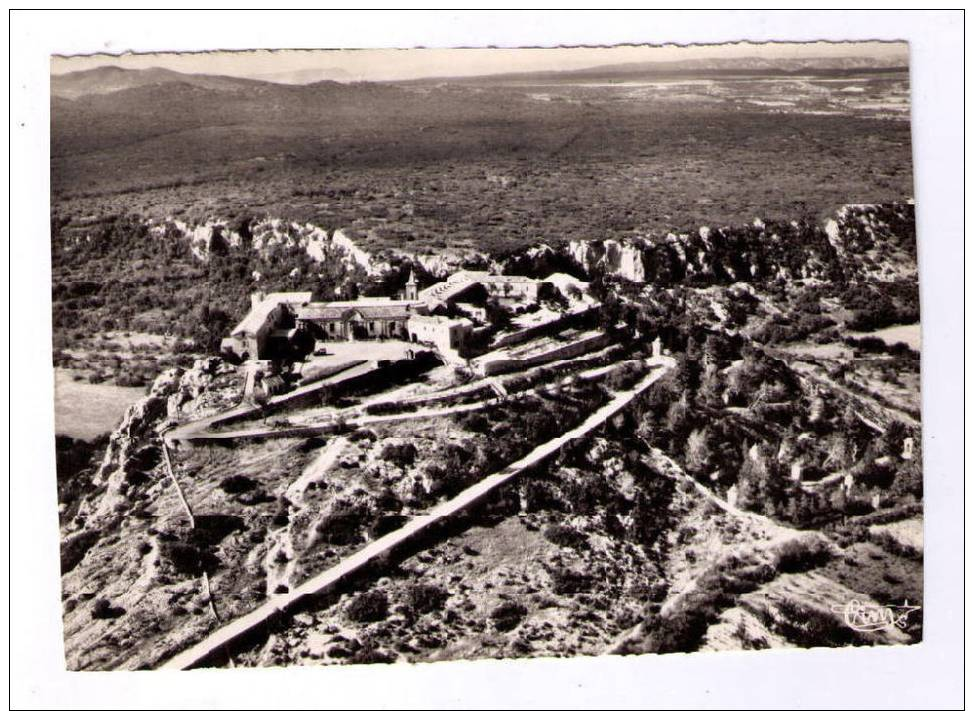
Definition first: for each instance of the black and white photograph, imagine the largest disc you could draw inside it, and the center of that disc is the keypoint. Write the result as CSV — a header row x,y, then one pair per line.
x,y
395,356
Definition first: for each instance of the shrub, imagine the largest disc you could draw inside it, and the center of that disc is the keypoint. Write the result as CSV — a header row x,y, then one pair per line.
x,y
565,581
237,484
857,507
806,626
875,475
130,380
890,544
212,528
368,654
386,524
799,555
371,606
188,558
508,615
423,598
74,549
362,435
103,610
539,496
402,455
565,536
390,408
311,444
344,524
868,344
681,631
282,516
475,422
624,377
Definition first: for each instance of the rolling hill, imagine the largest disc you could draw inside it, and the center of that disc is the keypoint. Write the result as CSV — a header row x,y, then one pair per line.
x,y
107,80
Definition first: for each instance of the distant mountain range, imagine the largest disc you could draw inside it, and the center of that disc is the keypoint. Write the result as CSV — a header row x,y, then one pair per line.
x,y
713,66
307,76
749,64
106,80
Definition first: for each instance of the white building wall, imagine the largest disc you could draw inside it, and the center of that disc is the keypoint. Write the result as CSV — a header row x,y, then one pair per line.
x,y
445,334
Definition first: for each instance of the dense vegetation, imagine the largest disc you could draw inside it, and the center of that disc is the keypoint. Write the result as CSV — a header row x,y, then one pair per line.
x,y
736,416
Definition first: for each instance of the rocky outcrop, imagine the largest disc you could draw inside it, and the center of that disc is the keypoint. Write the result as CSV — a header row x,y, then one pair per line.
x,y
874,241
266,235
442,265
860,241
880,240
612,257
132,457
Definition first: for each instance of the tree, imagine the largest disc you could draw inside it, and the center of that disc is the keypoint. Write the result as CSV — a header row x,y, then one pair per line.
x,y
212,326
892,438
698,452
761,484
839,454
370,606
497,315
713,347
302,343
688,371
711,389
217,244
677,416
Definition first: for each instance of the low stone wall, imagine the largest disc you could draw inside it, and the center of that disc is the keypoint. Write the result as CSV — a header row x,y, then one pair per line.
x,y
568,350
380,374
571,320
320,374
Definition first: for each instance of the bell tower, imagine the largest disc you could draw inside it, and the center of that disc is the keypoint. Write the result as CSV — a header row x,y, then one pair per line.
x,y
412,292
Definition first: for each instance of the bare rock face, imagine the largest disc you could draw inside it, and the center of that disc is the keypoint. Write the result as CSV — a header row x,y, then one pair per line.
x,y
119,469
129,559
217,236
441,265
611,257
195,388
874,240
133,450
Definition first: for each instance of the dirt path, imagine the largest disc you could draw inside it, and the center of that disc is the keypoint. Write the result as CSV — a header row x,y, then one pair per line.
x,y
281,560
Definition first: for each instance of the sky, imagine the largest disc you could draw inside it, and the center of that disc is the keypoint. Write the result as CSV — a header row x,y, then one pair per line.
x,y
401,64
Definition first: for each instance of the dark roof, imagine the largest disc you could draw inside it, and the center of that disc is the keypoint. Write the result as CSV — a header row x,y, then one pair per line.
x,y
320,312
385,311
342,311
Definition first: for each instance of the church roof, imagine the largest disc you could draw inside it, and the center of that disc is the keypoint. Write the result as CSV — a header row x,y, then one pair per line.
x,y
368,309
